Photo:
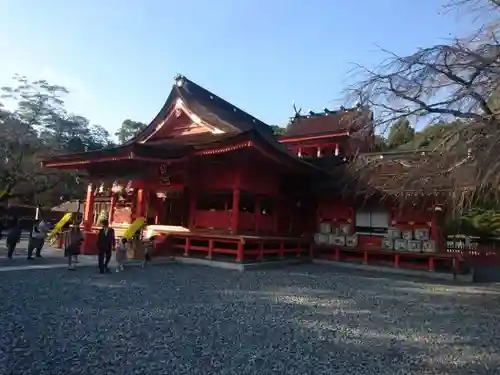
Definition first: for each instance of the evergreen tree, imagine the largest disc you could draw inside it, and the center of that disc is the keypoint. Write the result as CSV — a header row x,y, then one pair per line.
x,y
401,132
129,129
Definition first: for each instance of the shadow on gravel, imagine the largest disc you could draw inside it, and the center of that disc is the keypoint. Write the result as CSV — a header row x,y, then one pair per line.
x,y
196,320
433,327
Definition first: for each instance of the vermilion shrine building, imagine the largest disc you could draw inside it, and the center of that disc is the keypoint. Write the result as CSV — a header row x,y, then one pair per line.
x,y
215,180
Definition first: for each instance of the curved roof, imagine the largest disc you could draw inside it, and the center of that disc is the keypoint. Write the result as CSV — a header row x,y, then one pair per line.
x,y
330,122
210,108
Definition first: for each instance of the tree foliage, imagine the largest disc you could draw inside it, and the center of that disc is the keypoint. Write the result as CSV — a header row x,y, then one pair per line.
x,y
278,131
129,129
39,125
400,132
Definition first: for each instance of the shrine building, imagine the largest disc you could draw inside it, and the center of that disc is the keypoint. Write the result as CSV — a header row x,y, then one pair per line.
x,y
212,181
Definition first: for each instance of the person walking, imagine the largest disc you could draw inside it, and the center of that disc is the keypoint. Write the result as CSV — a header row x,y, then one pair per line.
x,y
105,246
148,250
13,237
121,254
73,247
37,239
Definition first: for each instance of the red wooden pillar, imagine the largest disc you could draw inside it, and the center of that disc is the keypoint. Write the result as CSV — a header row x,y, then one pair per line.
x,y
257,214
140,204
436,231
112,207
156,203
236,210
88,216
89,238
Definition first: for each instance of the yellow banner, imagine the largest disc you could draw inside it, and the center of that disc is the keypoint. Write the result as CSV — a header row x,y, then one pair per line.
x,y
134,227
60,224
2,193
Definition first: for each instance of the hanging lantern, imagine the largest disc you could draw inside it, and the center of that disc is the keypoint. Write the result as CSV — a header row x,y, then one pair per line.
x,y
129,189
116,188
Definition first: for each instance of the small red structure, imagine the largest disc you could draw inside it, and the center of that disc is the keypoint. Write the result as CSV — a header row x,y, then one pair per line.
x,y
224,186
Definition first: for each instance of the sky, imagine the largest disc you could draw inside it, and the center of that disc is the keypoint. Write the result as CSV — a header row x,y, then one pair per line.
x,y
118,58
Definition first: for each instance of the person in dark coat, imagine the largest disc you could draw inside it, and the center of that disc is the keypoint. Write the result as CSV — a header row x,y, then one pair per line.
x,y
75,240
13,237
105,246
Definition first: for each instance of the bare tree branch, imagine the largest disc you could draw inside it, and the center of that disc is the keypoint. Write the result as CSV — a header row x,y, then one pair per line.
x,y
446,82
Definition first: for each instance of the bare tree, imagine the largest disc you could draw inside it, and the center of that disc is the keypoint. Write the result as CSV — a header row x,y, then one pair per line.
x,y
445,82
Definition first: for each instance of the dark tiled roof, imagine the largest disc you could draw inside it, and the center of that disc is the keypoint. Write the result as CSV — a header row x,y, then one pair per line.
x,y
219,113
344,120
210,108
142,150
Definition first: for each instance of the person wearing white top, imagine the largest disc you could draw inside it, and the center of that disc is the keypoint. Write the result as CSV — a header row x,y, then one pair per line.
x,y
37,239
121,254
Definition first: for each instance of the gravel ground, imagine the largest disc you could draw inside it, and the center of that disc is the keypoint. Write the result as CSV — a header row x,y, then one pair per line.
x,y
180,319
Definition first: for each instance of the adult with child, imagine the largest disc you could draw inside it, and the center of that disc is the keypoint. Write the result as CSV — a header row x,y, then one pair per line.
x,y
105,246
37,238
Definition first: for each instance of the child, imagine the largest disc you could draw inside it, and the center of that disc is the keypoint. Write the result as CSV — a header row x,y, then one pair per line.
x,y
121,254
148,250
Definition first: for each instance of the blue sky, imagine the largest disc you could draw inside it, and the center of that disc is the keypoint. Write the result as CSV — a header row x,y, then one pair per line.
x,y
119,58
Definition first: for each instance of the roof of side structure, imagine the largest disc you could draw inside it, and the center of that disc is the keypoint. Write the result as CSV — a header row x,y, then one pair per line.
x,y
330,122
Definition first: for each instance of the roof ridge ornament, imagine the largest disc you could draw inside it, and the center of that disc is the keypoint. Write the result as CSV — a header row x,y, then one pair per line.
x,y
179,80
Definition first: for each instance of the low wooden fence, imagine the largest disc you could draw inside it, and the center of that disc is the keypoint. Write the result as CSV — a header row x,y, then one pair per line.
x,y
237,248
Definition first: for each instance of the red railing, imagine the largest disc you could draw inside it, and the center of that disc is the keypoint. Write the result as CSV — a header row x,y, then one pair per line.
x,y
397,259
242,248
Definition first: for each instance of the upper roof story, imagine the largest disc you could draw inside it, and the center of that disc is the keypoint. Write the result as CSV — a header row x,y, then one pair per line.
x,y
192,122
201,117
340,122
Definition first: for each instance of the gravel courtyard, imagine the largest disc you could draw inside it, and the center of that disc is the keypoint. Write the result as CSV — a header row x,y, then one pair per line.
x,y
177,319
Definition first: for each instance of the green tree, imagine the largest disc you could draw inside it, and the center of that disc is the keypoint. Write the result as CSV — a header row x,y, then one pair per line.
x,y
39,126
401,132
380,143
129,129
278,131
